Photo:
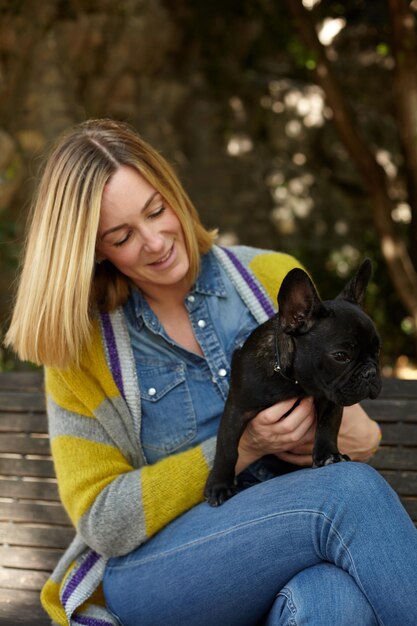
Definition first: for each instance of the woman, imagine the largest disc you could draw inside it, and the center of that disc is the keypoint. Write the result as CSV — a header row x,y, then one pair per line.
x,y
122,286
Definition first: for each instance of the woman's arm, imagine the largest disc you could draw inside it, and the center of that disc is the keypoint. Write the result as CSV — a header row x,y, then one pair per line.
x,y
113,505
291,436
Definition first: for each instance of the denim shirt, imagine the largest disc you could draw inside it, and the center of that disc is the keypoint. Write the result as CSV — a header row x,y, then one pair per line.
x,y
183,393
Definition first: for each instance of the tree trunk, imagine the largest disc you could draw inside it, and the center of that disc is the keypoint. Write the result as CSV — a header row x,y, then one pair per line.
x,y
404,44
394,249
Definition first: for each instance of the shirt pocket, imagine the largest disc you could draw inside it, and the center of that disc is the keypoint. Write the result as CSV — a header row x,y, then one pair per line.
x,y
168,416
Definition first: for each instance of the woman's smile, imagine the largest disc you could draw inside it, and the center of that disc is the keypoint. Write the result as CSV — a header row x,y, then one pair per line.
x,y
165,261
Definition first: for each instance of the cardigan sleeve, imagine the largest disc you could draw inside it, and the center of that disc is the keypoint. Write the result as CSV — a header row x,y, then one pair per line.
x,y
114,506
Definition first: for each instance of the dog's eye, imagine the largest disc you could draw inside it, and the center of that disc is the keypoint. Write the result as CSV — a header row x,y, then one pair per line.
x,y
341,357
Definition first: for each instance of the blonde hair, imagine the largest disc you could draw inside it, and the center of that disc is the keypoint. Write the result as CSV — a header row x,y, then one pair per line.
x,y
60,285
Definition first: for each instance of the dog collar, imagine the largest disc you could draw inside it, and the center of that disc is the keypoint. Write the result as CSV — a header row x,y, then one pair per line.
x,y
277,364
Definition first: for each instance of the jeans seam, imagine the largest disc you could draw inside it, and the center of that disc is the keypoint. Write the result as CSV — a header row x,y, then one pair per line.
x,y
352,562
203,540
356,576
113,614
290,602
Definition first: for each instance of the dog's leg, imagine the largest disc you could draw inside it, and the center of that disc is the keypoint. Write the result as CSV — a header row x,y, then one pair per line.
x,y
220,484
329,416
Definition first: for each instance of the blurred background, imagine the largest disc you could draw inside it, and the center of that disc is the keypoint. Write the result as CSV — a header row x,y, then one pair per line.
x,y
292,124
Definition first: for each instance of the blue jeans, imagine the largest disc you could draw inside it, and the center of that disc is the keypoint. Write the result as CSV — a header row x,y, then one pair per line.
x,y
318,547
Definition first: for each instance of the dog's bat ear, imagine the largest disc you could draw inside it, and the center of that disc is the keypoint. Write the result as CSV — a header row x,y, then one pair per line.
x,y
355,289
298,302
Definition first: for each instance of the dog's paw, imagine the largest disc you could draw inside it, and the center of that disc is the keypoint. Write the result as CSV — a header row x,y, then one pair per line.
x,y
332,458
218,493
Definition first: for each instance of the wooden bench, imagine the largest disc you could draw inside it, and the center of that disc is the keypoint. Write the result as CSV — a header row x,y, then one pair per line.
x,y
34,529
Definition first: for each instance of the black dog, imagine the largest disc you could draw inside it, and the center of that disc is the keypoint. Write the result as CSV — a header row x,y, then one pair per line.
x,y
325,349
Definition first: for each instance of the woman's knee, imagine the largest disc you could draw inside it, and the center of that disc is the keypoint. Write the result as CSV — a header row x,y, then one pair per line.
x,y
358,483
319,596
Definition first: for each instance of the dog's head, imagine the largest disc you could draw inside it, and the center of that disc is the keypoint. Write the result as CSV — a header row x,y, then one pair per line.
x,y
331,347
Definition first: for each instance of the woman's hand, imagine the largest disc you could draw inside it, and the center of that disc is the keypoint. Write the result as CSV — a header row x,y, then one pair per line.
x,y
289,434
288,425
359,436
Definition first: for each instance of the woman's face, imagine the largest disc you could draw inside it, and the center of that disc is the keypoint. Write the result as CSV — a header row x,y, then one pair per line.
x,y
140,234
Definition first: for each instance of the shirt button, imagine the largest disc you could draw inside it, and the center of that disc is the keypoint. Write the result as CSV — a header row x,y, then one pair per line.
x,y
201,323
151,391
222,372
191,298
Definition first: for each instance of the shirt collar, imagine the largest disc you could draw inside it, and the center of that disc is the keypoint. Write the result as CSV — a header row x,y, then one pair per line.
x,y
209,282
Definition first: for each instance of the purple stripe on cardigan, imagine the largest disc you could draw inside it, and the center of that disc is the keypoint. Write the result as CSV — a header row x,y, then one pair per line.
x,y
79,576
90,621
263,301
110,339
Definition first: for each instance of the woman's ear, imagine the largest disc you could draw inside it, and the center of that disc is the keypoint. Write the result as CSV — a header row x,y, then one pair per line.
x,y
99,258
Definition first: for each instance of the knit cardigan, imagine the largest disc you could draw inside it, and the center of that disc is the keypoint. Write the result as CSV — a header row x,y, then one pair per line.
x,y
114,499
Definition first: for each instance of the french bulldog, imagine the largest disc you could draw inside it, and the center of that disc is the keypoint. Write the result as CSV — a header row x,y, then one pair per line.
x,y
325,349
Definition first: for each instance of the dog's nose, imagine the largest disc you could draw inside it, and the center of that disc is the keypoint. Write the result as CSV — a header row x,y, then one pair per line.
x,y
369,372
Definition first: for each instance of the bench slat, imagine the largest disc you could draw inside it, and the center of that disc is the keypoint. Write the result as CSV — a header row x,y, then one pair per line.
x,y
410,505
22,608
36,536
23,422
25,381
399,433
41,513
398,388
390,410
26,467
20,401
395,458
404,483
29,489
38,559
13,578
24,444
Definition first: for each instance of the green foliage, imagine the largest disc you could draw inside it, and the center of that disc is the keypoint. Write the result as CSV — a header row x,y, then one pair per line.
x,y
383,49
10,249
10,245
303,58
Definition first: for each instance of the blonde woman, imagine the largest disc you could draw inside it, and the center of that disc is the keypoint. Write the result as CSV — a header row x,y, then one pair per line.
x,y
135,313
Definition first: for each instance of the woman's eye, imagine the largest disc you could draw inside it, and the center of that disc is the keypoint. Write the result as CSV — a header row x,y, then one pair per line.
x,y
122,241
157,213
341,357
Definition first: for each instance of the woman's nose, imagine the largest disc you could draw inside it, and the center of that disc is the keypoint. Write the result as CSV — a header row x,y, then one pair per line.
x,y
153,241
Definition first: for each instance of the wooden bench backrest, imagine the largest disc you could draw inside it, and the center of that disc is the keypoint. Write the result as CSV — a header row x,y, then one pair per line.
x,y
34,528
396,412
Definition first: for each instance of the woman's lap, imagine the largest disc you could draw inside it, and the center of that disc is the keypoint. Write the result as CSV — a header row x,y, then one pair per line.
x,y
226,565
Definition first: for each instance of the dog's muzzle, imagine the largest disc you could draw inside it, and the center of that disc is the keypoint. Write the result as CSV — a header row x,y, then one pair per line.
x,y
372,378
365,382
